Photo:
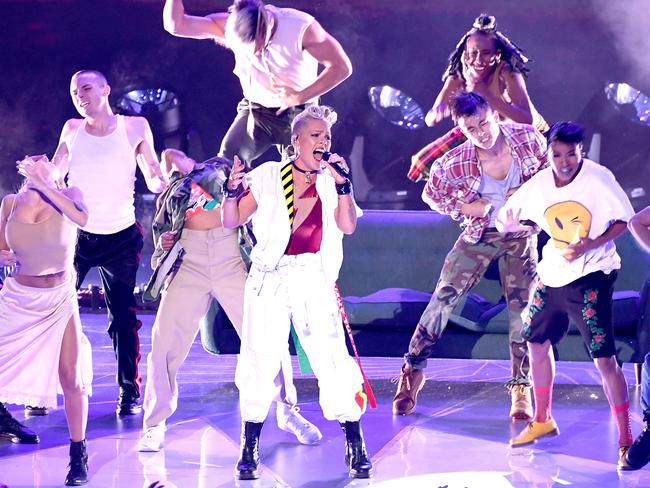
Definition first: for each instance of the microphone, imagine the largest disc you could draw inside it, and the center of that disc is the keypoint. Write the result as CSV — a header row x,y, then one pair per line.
x,y
337,167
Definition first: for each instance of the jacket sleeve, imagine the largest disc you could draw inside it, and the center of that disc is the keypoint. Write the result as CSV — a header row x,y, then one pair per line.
x,y
441,194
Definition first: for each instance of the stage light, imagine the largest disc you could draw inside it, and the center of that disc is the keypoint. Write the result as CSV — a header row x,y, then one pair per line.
x,y
396,107
160,106
632,103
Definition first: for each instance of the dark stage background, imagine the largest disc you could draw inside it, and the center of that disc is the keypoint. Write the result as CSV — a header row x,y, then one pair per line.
x,y
578,46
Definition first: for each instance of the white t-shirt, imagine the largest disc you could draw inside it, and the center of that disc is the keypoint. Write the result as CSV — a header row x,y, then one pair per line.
x,y
283,59
586,207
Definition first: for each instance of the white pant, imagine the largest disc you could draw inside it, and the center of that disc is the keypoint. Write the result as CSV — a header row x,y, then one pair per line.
x,y
211,268
295,291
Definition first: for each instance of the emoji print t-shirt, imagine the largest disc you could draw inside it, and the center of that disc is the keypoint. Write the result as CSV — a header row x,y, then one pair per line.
x,y
586,207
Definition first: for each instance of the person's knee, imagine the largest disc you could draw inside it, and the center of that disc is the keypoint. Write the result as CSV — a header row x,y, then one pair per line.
x,y
607,365
70,380
539,350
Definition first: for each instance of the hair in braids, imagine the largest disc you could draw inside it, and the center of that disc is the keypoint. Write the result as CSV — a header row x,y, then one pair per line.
x,y
486,24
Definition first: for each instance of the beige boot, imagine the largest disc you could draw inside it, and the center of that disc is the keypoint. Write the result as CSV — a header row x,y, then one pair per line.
x,y
522,407
409,385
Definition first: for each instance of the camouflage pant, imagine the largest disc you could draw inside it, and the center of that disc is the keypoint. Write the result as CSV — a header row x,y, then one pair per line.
x,y
463,268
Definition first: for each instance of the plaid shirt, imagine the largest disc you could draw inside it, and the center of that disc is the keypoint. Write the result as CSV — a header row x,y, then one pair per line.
x,y
456,177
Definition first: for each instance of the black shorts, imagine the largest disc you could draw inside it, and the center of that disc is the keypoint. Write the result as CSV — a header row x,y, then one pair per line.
x,y
587,302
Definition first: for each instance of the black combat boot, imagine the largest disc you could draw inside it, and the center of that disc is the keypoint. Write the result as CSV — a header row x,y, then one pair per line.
x,y
78,473
249,460
356,457
13,430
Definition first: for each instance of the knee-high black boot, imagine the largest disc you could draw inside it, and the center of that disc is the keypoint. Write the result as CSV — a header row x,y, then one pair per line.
x,y
356,456
78,473
249,460
13,430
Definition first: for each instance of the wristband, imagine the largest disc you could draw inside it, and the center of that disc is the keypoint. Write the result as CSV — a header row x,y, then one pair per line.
x,y
344,188
228,193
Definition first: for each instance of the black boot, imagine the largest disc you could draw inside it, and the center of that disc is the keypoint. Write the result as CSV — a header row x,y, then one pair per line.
x,y
356,457
249,460
78,473
128,403
638,455
13,430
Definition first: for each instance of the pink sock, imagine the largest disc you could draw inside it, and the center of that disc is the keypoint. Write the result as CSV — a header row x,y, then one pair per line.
x,y
543,400
621,415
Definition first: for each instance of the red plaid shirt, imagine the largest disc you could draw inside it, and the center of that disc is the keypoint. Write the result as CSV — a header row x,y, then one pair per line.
x,y
456,177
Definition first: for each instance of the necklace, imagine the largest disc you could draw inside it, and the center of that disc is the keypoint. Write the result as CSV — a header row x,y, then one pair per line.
x,y
308,174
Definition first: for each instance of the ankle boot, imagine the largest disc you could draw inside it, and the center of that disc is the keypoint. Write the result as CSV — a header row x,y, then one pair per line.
x,y
249,460
78,473
356,457
13,430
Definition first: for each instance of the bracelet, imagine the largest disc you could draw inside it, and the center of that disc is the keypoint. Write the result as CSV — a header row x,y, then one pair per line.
x,y
228,193
344,188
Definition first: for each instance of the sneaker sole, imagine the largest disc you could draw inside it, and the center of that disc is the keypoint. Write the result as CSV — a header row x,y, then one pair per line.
x,y
552,433
412,409
149,449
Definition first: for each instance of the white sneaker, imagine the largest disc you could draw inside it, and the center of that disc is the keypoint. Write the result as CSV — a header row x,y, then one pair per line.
x,y
290,420
152,439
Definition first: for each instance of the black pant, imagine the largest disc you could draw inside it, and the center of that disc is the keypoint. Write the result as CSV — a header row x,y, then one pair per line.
x,y
268,129
117,256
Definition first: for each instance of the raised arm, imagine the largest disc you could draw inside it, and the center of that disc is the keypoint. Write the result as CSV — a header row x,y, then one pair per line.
x,y
440,108
179,24
68,201
236,210
639,226
146,155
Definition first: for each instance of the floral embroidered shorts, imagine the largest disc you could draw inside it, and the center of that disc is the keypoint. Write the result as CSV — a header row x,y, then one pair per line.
x,y
587,302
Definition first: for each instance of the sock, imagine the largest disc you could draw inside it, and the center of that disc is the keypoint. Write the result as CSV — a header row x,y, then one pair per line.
x,y
543,399
621,415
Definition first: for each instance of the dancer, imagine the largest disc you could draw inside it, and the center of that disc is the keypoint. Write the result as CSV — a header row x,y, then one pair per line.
x,y
99,154
300,210
473,181
582,207
639,453
41,343
277,54
485,62
199,260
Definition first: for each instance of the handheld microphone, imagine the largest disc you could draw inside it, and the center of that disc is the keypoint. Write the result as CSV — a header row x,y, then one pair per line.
x,y
337,167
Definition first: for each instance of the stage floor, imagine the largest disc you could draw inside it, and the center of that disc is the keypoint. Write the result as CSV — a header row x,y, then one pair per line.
x,y
457,439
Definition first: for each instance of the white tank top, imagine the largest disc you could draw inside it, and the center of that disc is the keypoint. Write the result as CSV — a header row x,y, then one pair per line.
x,y
103,168
283,58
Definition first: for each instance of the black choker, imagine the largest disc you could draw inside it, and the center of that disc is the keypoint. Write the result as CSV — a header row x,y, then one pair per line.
x,y
308,174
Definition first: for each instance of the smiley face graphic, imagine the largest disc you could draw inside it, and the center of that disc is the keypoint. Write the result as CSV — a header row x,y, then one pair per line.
x,y
569,222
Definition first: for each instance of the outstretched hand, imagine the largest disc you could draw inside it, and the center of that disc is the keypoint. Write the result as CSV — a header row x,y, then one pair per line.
x,y
509,222
436,114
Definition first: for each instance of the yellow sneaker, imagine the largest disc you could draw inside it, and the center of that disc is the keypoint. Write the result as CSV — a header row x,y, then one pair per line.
x,y
534,431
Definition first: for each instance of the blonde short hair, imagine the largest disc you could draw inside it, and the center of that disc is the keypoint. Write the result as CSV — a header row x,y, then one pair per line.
x,y
318,112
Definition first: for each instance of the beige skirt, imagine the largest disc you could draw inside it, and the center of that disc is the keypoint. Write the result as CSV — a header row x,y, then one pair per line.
x,y
32,324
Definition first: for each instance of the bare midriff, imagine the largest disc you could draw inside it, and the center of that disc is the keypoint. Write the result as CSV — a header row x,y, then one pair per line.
x,y
43,281
207,220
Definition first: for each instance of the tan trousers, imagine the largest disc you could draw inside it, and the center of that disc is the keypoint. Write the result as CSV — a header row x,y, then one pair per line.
x,y
211,268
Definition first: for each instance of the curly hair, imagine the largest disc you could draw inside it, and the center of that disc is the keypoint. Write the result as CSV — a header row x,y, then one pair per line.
x,y
486,24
